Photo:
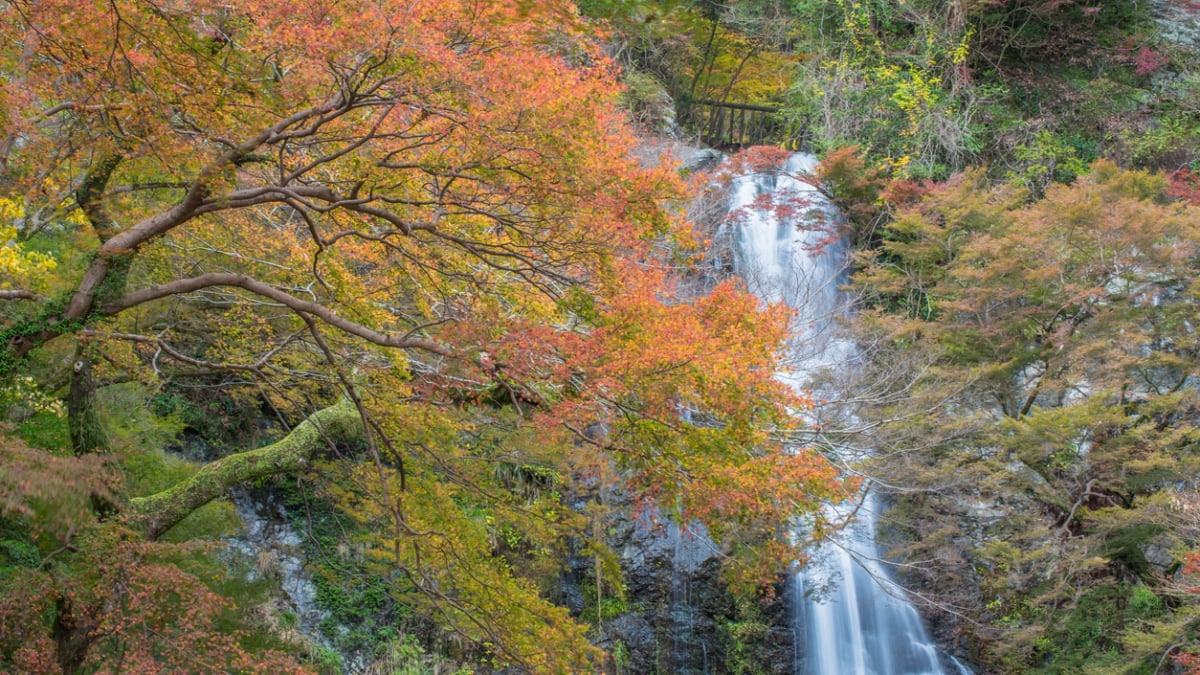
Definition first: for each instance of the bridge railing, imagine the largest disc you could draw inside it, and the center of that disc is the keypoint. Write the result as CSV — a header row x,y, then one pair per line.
x,y
731,125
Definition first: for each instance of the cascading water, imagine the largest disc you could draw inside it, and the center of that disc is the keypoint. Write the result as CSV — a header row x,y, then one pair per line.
x,y
851,618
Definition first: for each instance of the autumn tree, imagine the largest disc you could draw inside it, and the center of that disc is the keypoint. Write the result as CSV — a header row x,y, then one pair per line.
x,y
399,225
113,603
1056,367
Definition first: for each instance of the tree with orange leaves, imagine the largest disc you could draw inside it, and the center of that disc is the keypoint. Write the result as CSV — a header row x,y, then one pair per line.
x,y
420,217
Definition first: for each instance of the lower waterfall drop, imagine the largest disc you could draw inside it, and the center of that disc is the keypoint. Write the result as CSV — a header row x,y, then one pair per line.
x,y
850,616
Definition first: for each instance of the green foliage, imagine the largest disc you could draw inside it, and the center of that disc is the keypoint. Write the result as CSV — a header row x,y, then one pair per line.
x,y
1036,89
152,470
647,101
1046,343
683,51
1090,635
620,654
326,660
465,175
18,552
225,423
739,640
142,431
1144,603
362,608
24,392
1033,303
130,420
896,82
1051,159
27,324
359,606
404,655
45,430
1169,143
613,602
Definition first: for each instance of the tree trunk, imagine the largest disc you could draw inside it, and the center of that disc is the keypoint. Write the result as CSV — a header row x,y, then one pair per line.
x,y
704,64
73,636
157,513
84,427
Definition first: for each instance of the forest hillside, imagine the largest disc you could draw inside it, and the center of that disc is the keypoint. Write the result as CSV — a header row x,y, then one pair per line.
x,y
376,336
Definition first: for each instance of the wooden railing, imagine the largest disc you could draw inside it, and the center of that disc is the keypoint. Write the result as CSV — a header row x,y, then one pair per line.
x,y
737,125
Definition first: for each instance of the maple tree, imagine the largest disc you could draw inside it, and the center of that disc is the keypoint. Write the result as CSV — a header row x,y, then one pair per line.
x,y
1054,358
100,600
421,218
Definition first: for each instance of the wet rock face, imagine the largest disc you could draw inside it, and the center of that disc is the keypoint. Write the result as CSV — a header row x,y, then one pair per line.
x,y
271,539
1158,553
633,642
1178,21
277,548
681,619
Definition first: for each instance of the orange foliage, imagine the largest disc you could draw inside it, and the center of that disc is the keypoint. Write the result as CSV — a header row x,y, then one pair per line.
x,y
856,187
434,196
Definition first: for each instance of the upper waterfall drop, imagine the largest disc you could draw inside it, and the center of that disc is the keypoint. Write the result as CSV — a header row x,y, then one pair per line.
x,y
850,617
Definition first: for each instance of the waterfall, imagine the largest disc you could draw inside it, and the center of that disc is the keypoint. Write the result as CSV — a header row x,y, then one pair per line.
x,y
851,617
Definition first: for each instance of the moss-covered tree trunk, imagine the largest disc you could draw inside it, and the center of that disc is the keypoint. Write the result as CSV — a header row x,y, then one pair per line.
x,y
84,427
157,513
82,423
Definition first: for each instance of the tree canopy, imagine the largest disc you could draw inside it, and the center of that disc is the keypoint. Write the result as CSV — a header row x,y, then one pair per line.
x,y
1050,348
421,218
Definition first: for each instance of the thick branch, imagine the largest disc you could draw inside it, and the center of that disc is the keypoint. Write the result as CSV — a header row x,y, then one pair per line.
x,y
83,425
90,197
156,514
124,243
319,311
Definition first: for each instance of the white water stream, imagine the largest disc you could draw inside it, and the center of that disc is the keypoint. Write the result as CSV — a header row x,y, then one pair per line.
x,y
850,616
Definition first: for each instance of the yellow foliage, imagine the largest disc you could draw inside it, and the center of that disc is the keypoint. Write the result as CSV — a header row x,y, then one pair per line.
x,y
18,266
